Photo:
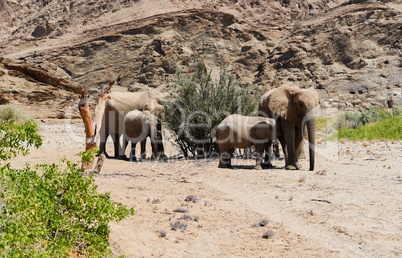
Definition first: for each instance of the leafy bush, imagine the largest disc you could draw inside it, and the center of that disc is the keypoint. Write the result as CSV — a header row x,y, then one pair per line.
x,y
49,211
8,112
88,155
52,211
16,131
388,128
396,111
197,105
356,119
375,123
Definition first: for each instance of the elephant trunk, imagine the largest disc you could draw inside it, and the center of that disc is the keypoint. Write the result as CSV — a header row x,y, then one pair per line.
x,y
311,140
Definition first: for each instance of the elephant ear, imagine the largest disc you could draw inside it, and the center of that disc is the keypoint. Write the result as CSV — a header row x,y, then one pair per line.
x,y
314,95
280,102
315,100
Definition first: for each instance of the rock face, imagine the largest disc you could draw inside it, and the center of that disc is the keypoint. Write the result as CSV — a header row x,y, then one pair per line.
x,y
350,51
36,99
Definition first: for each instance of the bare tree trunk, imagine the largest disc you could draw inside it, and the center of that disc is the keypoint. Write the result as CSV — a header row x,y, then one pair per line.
x,y
91,130
83,106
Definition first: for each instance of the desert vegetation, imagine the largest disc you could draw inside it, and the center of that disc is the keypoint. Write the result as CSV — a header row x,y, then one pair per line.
x,y
373,123
51,52
49,209
198,104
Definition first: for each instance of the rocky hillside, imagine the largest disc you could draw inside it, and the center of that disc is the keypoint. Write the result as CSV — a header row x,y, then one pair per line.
x,y
37,99
349,50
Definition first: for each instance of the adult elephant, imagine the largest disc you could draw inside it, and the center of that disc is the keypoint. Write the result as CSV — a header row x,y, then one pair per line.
x,y
293,108
117,107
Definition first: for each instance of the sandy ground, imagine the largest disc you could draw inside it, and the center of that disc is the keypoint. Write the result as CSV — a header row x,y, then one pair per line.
x,y
350,206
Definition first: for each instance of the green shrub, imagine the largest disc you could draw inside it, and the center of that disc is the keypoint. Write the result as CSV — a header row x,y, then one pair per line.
x,y
88,155
396,111
356,119
326,124
16,133
48,210
51,211
197,105
388,128
14,137
8,112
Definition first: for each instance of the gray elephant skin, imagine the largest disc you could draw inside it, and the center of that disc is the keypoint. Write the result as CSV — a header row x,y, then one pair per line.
x,y
237,131
292,108
117,107
138,126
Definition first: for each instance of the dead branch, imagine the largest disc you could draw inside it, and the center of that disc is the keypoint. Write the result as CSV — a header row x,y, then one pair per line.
x,y
90,143
100,162
318,200
101,107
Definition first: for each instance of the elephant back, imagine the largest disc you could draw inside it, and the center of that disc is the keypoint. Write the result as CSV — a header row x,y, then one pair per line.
x,y
124,101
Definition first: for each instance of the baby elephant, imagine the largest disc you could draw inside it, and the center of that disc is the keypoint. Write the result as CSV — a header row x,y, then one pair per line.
x,y
237,131
138,125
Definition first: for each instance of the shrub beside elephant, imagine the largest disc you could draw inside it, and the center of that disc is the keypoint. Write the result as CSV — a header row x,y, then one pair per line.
x,y
292,108
117,107
138,125
237,131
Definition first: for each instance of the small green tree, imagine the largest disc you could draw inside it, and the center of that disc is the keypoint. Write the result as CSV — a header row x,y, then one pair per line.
x,y
197,105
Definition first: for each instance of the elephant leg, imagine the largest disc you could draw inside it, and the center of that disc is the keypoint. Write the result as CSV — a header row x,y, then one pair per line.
x,y
102,147
289,132
159,140
122,150
300,150
224,157
104,134
229,158
298,144
143,149
223,160
283,144
155,153
268,155
300,153
259,149
267,149
132,152
116,144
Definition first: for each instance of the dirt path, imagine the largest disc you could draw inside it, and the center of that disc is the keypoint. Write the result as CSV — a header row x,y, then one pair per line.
x,y
349,206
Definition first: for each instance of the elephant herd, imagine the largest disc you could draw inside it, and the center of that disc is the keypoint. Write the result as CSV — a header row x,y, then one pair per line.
x,y
283,113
